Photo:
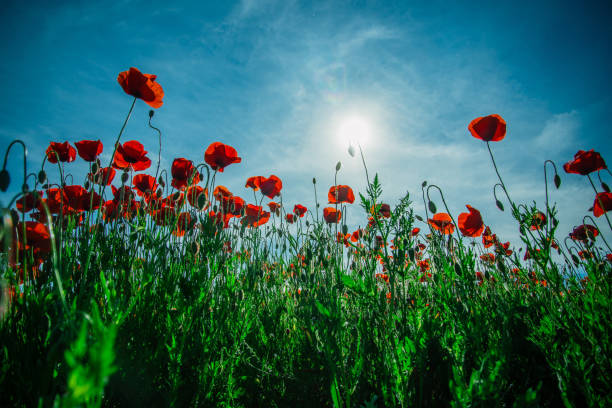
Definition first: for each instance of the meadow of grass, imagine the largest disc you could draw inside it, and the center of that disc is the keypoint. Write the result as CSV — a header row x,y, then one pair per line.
x,y
165,289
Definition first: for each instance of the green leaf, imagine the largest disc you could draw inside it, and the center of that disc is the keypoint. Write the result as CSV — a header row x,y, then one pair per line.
x,y
322,309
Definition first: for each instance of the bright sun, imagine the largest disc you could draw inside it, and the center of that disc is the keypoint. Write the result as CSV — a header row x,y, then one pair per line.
x,y
354,130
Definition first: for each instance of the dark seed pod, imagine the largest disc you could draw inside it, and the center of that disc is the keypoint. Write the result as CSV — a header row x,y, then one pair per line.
x,y
151,113
124,177
314,180
575,259
161,182
25,188
432,207
418,217
344,229
557,181
14,217
159,192
176,196
202,201
5,180
605,187
499,205
86,185
424,184
338,166
42,176
94,168
411,254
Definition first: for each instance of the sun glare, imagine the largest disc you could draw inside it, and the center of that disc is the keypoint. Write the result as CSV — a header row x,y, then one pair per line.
x,y
354,130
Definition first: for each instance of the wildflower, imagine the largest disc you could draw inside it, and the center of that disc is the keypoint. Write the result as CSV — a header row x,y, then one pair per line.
x,y
144,184
384,210
603,204
142,86
218,156
271,186
331,215
488,257
254,182
383,276
197,197
183,171
490,128
131,155
584,232
470,224
89,150
356,235
184,220
29,201
60,151
255,216
104,176
442,222
585,163
488,239
274,207
341,194
221,191
538,220
299,210
290,218
415,231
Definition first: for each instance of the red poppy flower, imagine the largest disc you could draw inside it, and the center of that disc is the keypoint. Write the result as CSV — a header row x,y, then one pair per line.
x,y
104,176
80,199
131,155
340,194
62,151
490,128
415,232
164,216
538,220
342,238
609,257
56,201
488,257
331,215
218,156
182,225
37,236
584,232
255,216
442,222
271,186
488,239
254,182
585,163
232,205
220,219
142,86
274,207
89,150
144,184
290,218
197,197
221,191
357,235
470,224
29,201
383,209
299,210
503,248
183,170
124,194
603,204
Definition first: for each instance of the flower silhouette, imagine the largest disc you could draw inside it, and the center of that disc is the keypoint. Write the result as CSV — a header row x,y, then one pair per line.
x,y
490,128
142,86
218,156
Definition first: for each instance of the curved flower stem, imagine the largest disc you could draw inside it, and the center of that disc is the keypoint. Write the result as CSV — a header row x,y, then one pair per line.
x,y
25,157
160,144
445,206
364,165
499,177
600,203
548,212
425,205
598,229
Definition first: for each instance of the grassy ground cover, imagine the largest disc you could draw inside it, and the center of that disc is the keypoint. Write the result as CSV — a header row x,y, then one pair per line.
x,y
165,289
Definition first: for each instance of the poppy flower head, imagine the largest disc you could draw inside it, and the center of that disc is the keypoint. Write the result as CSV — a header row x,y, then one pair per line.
x,y
538,220
89,150
37,236
585,163
383,209
255,216
183,224
232,205
144,184
60,151
254,182
142,86
221,191
290,218
603,204
184,173
341,194
104,176
218,156
299,210
584,232
271,186
331,215
442,222
197,197
490,128
470,224
29,201
415,231
274,207
131,155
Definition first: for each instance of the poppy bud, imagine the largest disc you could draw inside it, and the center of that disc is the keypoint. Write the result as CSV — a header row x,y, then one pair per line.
x,y
432,206
5,180
25,188
344,229
159,192
215,208
42,176
201,201
124,177
575,259
86,185
418,217
161,181
201,176
94,168
14,216
424,184
351,150
499,205
557,180
605,187
307,223
338,166
151,113
314,180
176,196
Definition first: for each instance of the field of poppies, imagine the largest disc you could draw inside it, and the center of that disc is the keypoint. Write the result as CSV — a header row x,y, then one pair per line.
x,y
143,286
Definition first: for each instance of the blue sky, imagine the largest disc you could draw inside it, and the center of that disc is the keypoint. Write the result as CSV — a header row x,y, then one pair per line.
x,y
276,79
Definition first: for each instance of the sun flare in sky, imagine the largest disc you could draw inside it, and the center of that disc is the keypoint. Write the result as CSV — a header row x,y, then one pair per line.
x,y
354,130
